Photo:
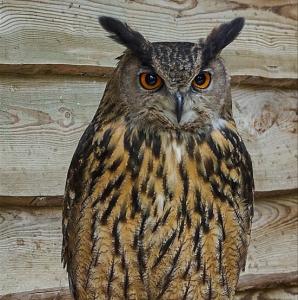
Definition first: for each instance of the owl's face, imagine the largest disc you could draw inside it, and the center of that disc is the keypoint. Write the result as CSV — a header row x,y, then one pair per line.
x,y
174,90
173,85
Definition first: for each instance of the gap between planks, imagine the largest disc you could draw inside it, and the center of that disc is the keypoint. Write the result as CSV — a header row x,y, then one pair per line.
x,y
104,73
57,201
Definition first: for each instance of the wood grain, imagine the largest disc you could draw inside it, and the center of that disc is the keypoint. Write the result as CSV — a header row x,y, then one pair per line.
x,y
274,244
41,121
64,32
63,294
30,245
43,117
267,121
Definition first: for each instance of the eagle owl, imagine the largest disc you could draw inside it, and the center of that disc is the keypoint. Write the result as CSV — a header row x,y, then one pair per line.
x,y
159,193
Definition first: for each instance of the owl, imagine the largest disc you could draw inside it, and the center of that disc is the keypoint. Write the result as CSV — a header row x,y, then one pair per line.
x,y
159,192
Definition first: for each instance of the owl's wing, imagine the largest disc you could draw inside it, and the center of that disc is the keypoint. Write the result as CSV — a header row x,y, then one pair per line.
x,y
99,156
241,158
242,185
74,185
247,183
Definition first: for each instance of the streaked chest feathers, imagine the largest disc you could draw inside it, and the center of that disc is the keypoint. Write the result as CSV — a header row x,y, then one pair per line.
x,y
167,214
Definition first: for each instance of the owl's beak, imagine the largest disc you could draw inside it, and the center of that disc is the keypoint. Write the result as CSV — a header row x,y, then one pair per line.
x,y
179,105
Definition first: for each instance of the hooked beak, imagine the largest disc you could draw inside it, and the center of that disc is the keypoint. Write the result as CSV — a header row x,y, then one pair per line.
x,y
179,105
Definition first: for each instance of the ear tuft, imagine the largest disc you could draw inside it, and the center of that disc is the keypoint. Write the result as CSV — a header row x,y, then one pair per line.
x,y
220,37
124,35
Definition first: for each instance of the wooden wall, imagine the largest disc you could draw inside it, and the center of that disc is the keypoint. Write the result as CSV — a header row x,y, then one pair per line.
x,y
54,63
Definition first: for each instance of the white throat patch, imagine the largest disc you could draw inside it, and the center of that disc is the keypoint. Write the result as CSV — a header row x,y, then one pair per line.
x,y
219,123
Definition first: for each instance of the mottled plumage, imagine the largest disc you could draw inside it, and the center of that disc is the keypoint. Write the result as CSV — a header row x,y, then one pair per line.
x,y
158,207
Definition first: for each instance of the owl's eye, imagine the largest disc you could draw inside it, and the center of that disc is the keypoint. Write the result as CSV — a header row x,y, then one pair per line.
x,y
150,81
201,81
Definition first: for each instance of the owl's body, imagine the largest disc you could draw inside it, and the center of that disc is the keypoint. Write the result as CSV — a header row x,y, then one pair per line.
x,y
159,201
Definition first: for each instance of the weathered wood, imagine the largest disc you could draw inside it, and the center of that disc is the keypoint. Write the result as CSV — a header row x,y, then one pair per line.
x,y
42,119
30,245
274,244
68,33
267,121
63,294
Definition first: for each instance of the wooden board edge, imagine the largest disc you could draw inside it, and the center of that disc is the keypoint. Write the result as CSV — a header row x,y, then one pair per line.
x,y
100,72
276,293
38,201
104,73
40,294
57,201
285,83
273,194
267,281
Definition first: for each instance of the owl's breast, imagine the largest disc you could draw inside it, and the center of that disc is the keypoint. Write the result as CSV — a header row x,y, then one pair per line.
x,y
161,216
196,224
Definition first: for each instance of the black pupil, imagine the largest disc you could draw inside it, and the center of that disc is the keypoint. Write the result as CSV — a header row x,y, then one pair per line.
x,y
200,78
151,79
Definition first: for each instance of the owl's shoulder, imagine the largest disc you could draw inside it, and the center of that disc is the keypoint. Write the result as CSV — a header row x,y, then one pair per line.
x,y
233,158
90,160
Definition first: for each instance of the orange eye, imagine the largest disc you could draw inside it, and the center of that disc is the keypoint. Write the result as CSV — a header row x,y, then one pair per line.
x,y
150,81
201,81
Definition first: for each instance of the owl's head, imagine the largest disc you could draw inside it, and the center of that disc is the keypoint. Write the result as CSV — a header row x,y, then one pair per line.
x,y
171,85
